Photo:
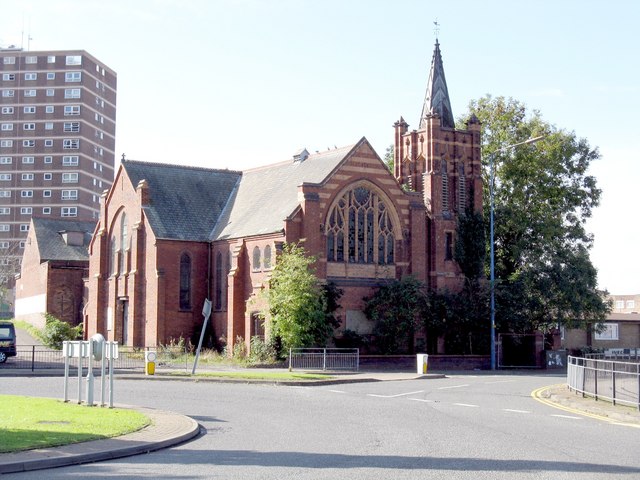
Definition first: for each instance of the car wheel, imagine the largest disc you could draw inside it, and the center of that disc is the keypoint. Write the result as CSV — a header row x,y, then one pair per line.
x,y
3,357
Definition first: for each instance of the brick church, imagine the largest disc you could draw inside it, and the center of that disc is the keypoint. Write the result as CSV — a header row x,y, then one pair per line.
x,y
171,236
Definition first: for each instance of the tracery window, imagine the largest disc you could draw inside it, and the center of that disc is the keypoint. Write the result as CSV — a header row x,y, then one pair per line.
x,y
360,229
185,281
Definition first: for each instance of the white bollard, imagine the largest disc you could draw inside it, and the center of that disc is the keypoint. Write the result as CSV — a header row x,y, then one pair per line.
x,y
422,363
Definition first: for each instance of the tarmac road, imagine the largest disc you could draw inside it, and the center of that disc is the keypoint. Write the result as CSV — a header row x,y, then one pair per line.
x,y
462,427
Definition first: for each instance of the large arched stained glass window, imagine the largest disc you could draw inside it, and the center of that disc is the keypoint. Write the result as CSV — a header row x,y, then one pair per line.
x,y
359,229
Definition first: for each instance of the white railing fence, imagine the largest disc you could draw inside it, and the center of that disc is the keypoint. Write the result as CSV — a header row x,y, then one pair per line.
x,y
618,382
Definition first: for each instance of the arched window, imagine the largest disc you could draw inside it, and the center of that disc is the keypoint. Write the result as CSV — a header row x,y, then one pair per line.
x,y
256,258
359,229
123,244
219,280
113,255
267,257
185,282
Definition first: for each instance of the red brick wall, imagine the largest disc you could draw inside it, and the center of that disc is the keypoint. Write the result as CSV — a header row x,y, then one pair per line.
x,y
65,288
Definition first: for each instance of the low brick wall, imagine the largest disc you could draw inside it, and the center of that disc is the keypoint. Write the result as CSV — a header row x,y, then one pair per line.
x,y
436,362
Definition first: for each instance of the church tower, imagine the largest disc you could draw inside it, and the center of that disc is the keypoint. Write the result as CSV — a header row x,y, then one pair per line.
x,y
444,165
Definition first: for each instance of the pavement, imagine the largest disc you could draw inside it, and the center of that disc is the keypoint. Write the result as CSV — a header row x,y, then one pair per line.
x,y
169,429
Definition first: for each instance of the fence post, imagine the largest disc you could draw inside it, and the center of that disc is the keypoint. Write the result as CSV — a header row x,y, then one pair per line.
x,y
638,375
324,359
33,357
290,359
595,387
613,381
584,374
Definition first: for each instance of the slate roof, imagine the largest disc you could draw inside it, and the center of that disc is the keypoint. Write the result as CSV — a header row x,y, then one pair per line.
x,y
51,245
267,196
436,99
184,202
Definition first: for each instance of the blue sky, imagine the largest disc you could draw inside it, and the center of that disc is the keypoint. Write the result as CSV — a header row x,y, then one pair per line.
x,y
241,83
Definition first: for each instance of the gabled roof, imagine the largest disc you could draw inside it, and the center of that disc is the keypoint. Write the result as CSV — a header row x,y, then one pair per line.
x,y
184,202
436,100
51,245
267,196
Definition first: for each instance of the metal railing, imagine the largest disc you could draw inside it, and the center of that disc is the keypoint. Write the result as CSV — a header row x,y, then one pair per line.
x,y
324,359
628,354
39,357
618,382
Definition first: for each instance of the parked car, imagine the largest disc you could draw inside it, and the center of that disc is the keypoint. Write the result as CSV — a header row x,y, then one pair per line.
x,y
7,341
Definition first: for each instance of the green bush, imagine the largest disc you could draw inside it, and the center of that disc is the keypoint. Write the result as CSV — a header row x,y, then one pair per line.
x,y
56,331
261,352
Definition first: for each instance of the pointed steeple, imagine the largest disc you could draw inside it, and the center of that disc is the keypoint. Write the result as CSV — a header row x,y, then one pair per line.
x,y
436,100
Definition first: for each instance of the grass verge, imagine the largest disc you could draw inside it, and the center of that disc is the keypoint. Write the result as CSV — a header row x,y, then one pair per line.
x,y
248,375
29,422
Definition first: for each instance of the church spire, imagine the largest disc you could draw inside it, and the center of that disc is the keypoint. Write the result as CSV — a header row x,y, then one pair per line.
x,y
436,100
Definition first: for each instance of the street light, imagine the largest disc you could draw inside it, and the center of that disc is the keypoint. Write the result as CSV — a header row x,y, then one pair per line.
x,y
491,241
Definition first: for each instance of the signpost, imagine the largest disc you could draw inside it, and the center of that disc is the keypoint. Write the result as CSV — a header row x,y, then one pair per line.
x,y
206,312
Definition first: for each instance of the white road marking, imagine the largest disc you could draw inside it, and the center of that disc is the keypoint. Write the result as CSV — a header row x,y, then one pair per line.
x,y
453,386
337,391
425,400
466,405
500,381
393,396
567,416
515,411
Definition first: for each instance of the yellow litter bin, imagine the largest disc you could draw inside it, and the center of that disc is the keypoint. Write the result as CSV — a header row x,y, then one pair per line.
x,y
150,362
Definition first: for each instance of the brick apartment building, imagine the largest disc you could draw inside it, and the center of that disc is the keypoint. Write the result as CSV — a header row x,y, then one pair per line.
x,y
170,236
57,137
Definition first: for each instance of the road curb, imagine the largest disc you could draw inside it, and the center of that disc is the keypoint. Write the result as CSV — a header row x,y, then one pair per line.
x,y
559,396
167,429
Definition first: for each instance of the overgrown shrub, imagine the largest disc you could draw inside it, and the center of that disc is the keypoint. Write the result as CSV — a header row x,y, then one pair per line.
x,y
261,352
238,350
56,331
176,348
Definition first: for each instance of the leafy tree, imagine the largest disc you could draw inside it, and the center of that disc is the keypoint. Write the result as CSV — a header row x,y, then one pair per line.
x,y
57,331
470,245
543,197
300,309
397,309
388,158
